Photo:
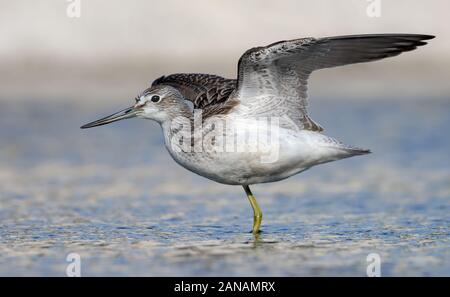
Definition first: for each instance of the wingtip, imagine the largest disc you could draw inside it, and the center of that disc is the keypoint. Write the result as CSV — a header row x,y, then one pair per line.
x,y
428,37
418,36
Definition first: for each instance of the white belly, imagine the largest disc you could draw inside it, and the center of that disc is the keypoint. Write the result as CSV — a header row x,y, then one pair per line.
x,y
255,152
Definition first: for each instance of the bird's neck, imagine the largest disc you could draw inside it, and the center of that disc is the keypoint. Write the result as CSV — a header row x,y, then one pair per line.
x,y
178,131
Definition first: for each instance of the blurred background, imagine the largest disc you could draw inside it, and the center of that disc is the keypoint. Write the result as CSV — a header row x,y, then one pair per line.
x,y
113,44
113,195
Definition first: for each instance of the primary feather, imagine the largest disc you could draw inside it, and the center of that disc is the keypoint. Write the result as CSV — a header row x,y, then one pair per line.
x,y
272,80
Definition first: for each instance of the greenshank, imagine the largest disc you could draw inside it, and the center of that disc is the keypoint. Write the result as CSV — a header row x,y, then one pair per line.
x,y
256,129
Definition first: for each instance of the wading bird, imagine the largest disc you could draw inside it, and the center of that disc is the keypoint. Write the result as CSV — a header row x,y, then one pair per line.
x,y
271,83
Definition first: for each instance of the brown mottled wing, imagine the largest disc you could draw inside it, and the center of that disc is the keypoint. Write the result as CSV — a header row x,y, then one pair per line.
x,y
204,90
272,80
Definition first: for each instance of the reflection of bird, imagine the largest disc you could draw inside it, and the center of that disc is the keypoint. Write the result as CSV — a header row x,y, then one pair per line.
x,y
267,98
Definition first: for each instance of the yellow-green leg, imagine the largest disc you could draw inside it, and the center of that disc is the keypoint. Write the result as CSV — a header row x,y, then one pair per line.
x,y
257,213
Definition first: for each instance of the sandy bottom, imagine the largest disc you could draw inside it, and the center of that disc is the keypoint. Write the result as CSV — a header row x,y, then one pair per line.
x,y
114,196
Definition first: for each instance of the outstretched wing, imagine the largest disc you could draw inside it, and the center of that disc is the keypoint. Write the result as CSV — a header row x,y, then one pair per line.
x,y
204,90
272,80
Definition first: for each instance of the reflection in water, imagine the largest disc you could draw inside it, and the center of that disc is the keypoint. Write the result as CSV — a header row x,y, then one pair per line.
x,y
130,210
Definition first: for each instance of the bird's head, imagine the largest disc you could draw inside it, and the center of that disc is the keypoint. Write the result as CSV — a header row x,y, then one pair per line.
x,y
159,103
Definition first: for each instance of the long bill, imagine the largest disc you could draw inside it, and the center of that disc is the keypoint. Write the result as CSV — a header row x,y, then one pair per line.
x,y
127,113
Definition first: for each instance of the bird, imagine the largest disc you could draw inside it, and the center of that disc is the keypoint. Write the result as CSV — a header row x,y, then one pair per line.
x,y
256,128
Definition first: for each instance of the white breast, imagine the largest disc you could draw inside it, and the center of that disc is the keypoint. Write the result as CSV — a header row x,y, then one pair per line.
x,y
242,151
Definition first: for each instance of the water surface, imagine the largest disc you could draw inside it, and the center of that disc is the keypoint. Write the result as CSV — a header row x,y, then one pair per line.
x,y
114,196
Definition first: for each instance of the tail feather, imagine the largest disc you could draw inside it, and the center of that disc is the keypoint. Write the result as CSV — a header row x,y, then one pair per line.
x,y
330,149
355,150
336,144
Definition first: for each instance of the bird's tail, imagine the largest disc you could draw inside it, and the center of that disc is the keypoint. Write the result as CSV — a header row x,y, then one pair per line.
x,y
339,150
355,151
327,149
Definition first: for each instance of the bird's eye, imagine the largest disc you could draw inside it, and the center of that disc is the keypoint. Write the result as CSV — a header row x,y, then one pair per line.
x,y
137,99
155,98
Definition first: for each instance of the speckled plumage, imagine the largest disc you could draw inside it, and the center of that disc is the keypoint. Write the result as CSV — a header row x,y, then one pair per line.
x,y
224,145
272,80
271,83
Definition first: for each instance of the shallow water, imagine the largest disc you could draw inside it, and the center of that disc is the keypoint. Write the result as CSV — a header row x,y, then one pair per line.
x,y
114,196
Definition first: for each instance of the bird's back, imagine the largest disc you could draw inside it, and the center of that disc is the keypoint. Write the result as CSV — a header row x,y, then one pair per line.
x,y
271,85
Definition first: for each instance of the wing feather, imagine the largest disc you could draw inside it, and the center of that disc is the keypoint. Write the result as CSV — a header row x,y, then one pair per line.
x,y
272,80
203,90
